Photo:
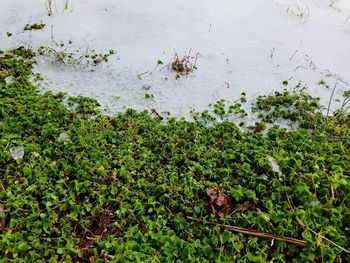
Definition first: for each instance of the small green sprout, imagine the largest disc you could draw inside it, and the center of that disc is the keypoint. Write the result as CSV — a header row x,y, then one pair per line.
x,y
149,96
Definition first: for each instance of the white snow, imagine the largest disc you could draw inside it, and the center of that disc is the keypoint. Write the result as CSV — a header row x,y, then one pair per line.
x,y
275,167
63,137
17,153
244,46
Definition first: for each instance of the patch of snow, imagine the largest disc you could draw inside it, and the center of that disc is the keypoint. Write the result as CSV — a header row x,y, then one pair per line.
x,y
17,153
8,79
63,137
274,165
244,46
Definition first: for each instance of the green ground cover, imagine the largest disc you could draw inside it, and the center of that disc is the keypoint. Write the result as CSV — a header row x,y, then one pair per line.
x,y
96,188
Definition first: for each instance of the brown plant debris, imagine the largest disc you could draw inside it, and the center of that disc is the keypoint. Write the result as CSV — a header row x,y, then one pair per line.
x,y
219,201
260,127
186,64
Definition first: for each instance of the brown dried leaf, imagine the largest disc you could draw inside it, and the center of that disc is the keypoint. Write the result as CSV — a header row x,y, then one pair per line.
x,y
248,206
260,127
219,202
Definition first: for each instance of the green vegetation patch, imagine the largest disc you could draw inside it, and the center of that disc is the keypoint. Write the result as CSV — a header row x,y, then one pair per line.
x,y
78,186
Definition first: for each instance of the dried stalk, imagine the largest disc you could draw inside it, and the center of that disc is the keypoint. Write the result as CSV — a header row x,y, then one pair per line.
x,y
49,7
301,223
158,115
246,231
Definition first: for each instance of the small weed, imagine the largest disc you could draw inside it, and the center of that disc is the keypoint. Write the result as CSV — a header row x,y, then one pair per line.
x,y
302,13
66,5
323,82
332,3
159,62
149,96
75,57
346,101
65,8
35,26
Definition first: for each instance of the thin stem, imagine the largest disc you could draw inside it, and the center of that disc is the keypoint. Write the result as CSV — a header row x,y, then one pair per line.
x,y
246,231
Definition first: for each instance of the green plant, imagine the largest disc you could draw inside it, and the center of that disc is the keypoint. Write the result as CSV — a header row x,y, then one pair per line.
x,y
149,96
323,82
122,188
35,26
68,56
66,5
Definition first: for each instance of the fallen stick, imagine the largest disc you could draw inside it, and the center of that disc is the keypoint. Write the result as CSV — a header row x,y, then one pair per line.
x,y
294,241
158,115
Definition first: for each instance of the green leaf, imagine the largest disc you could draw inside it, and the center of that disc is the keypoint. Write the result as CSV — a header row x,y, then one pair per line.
x,y
23,246
60,251
27,171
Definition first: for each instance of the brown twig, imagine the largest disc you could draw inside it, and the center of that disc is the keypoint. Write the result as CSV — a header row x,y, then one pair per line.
x,y
293,55
272,52
246,231
158,115
299,68
139,75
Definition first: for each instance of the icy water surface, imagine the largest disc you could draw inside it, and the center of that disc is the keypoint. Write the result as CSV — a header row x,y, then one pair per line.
x,y
244,46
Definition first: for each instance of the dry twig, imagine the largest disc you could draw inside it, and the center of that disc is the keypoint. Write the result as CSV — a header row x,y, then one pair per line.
x,y
246,231
301,223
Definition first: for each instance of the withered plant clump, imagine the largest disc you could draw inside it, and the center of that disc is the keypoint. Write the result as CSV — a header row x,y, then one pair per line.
x,y
185,65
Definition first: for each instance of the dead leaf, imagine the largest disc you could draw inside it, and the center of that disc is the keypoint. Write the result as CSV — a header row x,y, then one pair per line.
x,y
219,201
260,127
113,122
248,206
